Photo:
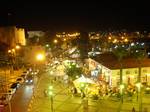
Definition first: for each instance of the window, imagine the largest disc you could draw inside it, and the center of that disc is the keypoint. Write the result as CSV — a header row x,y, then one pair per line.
x,y
144,70
127,72
135,71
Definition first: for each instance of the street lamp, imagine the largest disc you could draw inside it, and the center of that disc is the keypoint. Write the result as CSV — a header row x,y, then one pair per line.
x,y
83,89
40,57
50,93
17,47
139,95
9,51
121,92
55,41
138,85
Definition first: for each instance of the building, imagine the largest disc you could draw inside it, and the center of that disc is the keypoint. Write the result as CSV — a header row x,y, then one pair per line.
x,y
32,34
12,36
31,52
106,68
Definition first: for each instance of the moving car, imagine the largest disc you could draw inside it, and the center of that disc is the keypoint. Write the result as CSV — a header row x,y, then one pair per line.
x,y
29,79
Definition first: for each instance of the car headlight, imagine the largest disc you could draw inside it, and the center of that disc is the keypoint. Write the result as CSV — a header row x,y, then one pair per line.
x,y
31,80
26,80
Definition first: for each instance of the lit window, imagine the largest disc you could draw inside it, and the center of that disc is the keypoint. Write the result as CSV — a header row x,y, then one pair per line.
x,y
135,71
127,72
144,70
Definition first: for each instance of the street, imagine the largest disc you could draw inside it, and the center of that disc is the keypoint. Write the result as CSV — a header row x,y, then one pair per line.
x,y
21,98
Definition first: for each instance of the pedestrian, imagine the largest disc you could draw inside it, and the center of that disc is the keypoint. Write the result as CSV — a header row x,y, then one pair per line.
x,y
145,110
45,93
133,109
75,90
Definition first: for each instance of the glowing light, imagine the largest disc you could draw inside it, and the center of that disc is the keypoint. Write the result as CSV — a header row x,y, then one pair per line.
x,y
47,45
132,44
50,87
122,37
138,85
131,76
64,39
115,40
126,40
40,57
50,93
121,86
109,38
51,72
17,47
13,50
9,51
55,41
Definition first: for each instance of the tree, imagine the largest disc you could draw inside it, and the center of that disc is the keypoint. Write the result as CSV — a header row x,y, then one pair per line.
x,y
72,70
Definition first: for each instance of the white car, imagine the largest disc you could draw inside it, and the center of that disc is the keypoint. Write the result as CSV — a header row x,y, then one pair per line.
x,y
11,91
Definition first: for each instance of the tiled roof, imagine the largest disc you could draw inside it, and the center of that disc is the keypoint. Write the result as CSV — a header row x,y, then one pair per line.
x,y
110,61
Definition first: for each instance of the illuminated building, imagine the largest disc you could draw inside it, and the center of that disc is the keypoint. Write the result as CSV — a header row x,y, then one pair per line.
x,y
12,36
108,69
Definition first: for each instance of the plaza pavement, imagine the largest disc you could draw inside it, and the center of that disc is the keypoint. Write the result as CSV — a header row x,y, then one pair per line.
x,y
63,101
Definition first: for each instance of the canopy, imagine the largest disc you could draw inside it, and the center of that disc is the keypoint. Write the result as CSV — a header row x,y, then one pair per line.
x,y
83,79
90,83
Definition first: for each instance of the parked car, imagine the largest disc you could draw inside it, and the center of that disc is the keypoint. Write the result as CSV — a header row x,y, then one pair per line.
x,y
25,73
15,85
10,94
20,80
23,76
11,91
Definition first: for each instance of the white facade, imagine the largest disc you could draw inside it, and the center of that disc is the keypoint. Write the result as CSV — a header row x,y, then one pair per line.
x,y
112,76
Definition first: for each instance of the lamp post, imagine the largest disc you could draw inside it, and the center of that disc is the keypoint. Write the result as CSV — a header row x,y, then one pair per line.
x,y
121,92
39,58
139,95
50,93
83,88
17,48
11,53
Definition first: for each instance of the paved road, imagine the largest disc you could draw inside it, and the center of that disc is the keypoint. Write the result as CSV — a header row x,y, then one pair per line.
x,y
21,98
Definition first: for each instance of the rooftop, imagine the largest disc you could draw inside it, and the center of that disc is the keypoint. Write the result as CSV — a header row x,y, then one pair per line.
x,y
109,60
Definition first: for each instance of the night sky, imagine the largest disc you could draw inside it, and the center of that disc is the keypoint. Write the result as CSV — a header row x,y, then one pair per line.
x,y
73,15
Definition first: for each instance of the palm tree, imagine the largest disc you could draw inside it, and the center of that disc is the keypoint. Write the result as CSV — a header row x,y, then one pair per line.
x,y
83,45
139,54
120,52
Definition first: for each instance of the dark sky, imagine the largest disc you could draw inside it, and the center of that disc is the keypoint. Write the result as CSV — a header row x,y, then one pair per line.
x,y
76,15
